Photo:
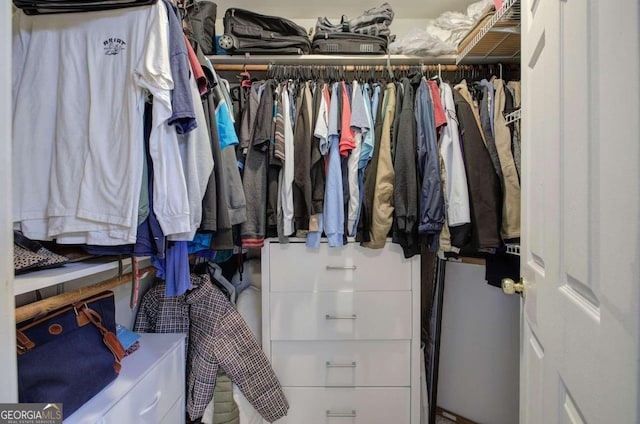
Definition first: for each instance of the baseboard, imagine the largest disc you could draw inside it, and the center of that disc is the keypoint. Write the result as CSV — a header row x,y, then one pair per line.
x,y
453,416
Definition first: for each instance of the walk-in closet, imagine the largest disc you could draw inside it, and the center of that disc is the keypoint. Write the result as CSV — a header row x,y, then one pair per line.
x,y
242,212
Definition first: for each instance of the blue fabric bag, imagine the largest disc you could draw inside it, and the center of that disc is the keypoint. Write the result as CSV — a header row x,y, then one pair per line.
x,y
69,355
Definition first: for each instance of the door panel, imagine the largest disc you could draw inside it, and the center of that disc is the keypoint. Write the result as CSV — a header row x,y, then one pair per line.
x,y
575,105
531,378
570,412
581,232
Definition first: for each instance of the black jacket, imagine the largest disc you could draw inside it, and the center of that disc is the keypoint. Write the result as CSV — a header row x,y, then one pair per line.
x,y
484,186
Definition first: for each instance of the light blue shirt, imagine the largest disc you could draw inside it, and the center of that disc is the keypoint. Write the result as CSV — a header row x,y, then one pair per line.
x,y
368,138
226,130
333,197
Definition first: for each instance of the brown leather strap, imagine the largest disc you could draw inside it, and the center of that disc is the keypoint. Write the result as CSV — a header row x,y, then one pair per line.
x,y
109,339
23,343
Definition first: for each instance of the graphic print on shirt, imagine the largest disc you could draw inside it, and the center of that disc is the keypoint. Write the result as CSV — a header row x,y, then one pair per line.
x,y
113,46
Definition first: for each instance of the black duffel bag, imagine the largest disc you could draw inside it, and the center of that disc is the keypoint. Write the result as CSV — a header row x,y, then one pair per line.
x,y
200,16
348,43
250,32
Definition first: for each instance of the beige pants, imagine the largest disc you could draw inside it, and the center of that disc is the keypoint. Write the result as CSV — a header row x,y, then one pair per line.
x,y
511,202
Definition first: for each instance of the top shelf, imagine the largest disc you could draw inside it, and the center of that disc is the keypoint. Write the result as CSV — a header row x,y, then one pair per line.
x,y
90,271
495,37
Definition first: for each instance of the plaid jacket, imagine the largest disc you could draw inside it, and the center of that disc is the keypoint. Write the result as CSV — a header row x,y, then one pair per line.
x,y
218,336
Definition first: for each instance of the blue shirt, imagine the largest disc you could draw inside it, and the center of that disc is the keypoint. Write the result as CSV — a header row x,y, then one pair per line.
x,y
333,198
491,102
368,138
226,131
183,115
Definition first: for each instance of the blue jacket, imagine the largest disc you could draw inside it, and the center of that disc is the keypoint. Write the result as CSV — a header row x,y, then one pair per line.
x,y
432,215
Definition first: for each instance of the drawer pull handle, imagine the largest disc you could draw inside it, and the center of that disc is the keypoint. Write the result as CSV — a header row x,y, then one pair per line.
x,y
338,365
354,316
153,404
332,414
341,268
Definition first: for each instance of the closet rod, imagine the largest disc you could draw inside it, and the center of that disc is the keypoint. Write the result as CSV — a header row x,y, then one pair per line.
x,y
348,68
44,306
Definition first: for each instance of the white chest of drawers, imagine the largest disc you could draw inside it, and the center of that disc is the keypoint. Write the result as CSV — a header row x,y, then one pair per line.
x,y
149,390
341,327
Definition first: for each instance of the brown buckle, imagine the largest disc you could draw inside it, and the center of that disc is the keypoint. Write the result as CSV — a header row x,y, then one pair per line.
x,y
23,343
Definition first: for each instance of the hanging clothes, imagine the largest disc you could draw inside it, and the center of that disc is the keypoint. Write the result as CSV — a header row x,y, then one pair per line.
x,y
317,163
511,201
334,201
359,125
487,118
382,213
369,179
302,150
53,195
484,187
431,196
405,193
321,133
456,194
197,165
253,230
515,87
215,203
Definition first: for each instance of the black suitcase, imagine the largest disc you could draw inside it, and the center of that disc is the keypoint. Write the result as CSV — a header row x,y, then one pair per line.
x,y
348,43
250,32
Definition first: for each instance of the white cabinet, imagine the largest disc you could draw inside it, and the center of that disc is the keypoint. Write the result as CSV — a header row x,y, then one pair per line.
x,y
341,327
149,390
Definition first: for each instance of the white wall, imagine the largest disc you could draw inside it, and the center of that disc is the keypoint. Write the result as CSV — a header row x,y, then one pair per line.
x,y
479,352
331,8
8,388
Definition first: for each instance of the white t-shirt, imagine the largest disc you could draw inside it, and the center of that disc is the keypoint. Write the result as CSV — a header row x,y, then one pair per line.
x,y
286,193
197,164
78,128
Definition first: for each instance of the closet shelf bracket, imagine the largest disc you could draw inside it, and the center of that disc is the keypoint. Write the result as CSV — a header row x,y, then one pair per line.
x,y
513,249
512,117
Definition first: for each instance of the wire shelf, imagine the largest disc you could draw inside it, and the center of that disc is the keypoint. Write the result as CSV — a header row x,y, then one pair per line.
x,y
497,35
513,249
512,117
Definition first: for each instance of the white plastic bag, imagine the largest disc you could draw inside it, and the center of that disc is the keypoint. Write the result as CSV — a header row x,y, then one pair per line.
x,y
421,43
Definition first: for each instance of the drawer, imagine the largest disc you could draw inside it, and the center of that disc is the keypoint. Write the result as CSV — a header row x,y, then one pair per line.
x,y
344,363
385,405
294,267
176,414
153,396
340,316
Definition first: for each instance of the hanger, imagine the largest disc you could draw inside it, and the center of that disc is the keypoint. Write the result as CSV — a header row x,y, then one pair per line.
x,y
245,77
389,69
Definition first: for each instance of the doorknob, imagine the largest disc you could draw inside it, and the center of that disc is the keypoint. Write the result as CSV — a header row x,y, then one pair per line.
x,y
511,287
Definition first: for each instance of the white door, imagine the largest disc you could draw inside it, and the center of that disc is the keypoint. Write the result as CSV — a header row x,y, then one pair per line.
x,y
580,245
